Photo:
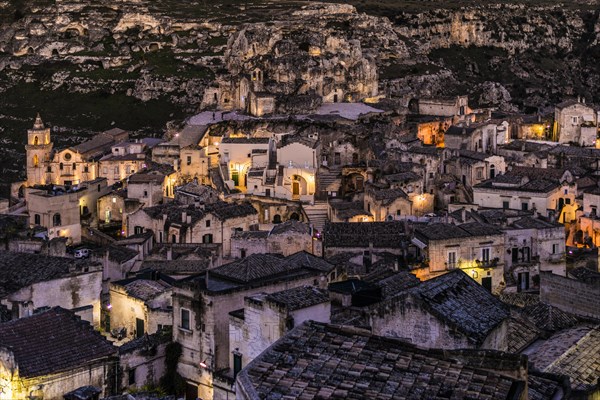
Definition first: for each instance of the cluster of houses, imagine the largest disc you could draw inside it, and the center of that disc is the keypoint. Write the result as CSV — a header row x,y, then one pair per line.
x,y
430,251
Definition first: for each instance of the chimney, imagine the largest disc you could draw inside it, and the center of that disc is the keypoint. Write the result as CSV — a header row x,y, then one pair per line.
x,y
169,253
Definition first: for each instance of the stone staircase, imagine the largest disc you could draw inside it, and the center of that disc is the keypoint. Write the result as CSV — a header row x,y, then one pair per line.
x,y
328,180
317,214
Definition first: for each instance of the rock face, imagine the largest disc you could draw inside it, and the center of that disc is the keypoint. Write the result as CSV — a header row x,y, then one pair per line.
x,y
322,58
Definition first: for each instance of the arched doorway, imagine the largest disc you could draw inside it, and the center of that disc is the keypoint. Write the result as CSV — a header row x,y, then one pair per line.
x,y
277,219
295,217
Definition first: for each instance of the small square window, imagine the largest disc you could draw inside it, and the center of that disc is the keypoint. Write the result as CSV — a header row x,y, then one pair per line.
x,y
208,223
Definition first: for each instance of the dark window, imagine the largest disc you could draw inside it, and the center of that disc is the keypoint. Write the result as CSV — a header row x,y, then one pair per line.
x,y
145,193
98,187
237,364
86,169
56,220
524,206
139,328
505,205
138,230
131,377
337,158
37,219
208,238
208,223
515,255
185,318
60,166
277,219
243,253
173,239
523,281
486,282
189,160
49,169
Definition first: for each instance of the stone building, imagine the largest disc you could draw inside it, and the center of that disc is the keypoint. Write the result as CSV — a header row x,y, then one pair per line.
x,y
142,361
286,238
451,312
142,305
533,245
329,361
124,160
540,193
443,107
62,209
387,204
201,308
69,166
33,281
266,318
150,187
180,223
43,356
476,248
577,122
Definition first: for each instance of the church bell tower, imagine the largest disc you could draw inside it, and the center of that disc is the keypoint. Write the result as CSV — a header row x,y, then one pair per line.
x,y
38,149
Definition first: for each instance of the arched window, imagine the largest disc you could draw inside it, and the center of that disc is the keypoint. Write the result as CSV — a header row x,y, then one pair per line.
x,y
277,219
36,141
56,221
61,166
37,219
295,216
36,160
492,171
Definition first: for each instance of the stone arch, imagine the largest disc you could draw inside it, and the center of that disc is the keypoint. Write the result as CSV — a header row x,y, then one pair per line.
x,y
36,140
36,160
55,53
30,50
56,220
295,216
276,219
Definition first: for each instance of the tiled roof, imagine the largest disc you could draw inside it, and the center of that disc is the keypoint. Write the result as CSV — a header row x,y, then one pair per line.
x,y
251,268
520,334
463,303
18,270
443,231
144,342
263,266
291,226
391,282
519,299
542,386
177,266
544,353
300,297
549,318
307,260
174,212
53,341
225,211
319,361
119,254
581,363
533,223
147,177
143,289
380,234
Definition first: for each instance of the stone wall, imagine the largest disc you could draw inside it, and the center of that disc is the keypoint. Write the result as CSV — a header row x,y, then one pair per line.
x,y
570,295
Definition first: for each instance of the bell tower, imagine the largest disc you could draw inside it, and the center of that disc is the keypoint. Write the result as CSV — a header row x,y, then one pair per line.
x,y
38,149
